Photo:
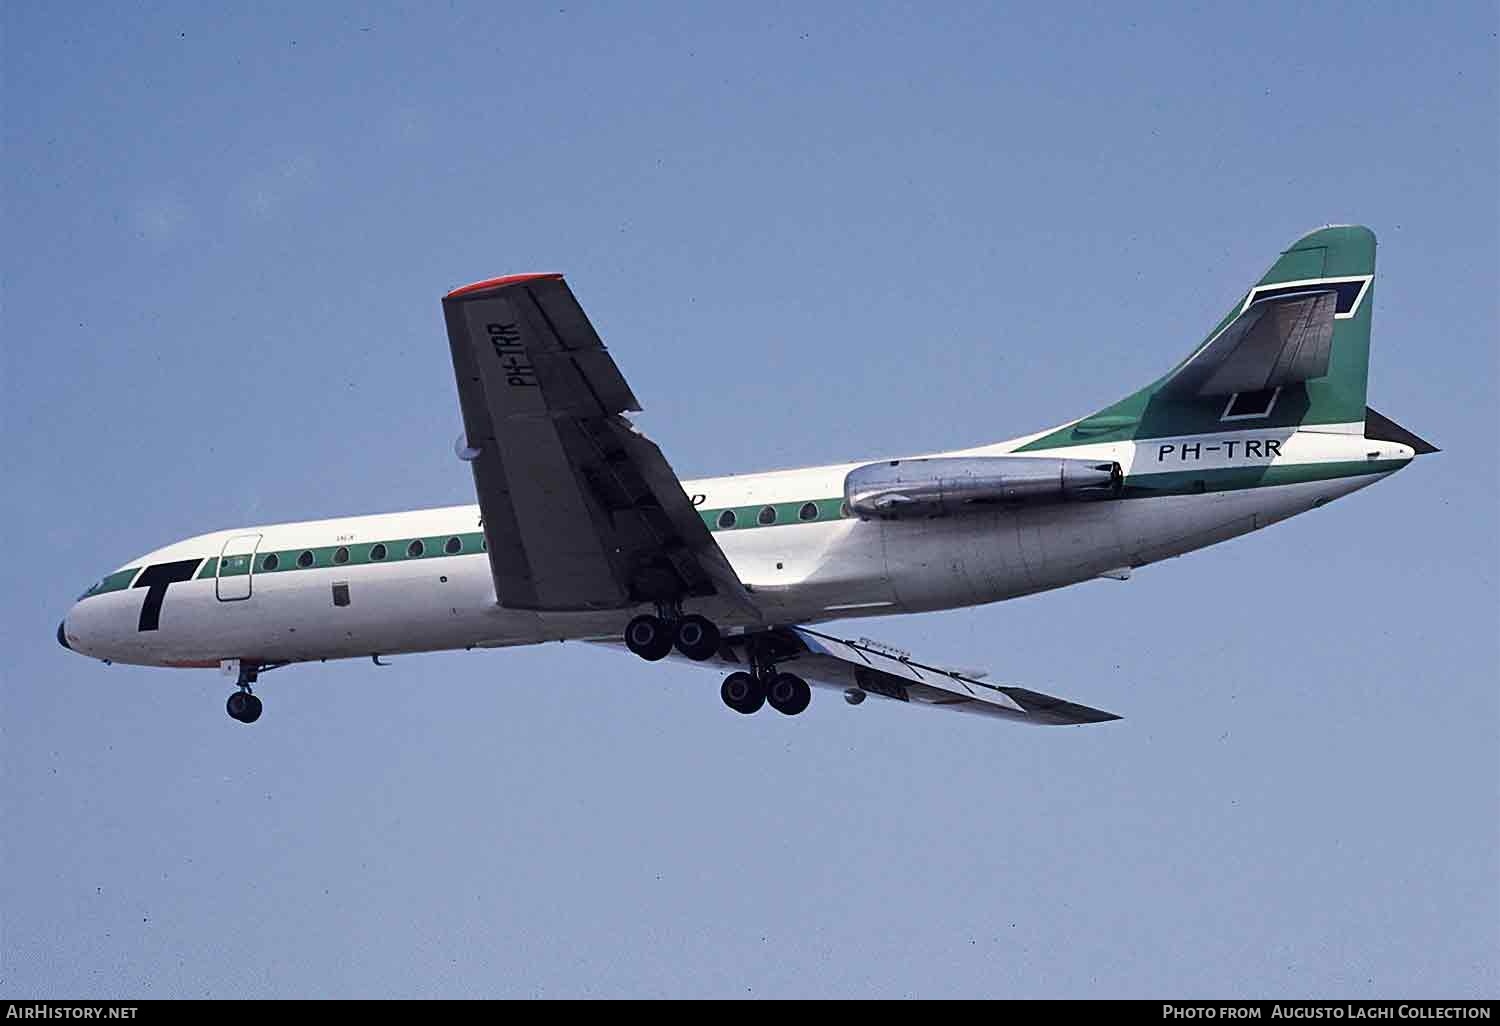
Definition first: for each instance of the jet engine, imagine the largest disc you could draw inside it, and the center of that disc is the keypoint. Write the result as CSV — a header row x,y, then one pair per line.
x,y
953,485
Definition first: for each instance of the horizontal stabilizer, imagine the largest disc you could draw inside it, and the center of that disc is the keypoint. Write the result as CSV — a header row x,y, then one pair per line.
x,y
1276,341
1383,429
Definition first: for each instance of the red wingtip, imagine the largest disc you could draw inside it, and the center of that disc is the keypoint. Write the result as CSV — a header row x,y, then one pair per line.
x,y
495,283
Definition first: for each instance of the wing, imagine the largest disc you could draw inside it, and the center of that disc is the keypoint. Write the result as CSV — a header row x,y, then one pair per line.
x,y
581,511
827,661
1275,341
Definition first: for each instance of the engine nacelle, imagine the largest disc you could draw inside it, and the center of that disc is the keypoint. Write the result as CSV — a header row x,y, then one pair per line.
x,y
953,485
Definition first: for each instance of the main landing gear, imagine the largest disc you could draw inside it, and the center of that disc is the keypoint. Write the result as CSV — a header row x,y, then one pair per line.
x,y
745,693
653,637
242,704
787,693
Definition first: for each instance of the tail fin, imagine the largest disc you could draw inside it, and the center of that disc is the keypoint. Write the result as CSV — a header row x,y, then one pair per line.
x,y
1294,351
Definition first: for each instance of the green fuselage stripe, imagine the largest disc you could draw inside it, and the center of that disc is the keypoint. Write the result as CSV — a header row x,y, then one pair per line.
x,y
781,515
332,557
1189,482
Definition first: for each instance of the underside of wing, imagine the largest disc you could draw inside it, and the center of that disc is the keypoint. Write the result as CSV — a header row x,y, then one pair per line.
x,y
581,511
865,668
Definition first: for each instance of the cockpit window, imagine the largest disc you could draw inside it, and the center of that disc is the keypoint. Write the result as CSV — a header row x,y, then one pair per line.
x,y
117,581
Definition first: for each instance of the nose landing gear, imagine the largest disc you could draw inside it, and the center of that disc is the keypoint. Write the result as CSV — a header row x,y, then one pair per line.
x,y
242,704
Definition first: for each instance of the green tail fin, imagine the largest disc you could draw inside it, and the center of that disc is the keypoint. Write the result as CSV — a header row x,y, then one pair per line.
x,y
1294,351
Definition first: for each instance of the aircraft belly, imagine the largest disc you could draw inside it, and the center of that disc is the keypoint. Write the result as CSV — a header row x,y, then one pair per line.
x,y
956,561
806,571
986,557
927,561
1160,528
1064,544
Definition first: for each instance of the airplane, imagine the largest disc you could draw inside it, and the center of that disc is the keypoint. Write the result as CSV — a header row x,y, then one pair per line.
x,y
583,532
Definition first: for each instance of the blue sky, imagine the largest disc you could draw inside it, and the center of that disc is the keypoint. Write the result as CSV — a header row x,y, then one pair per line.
x,y
808,234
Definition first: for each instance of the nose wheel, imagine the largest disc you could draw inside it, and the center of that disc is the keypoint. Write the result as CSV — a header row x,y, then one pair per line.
x,y
243,705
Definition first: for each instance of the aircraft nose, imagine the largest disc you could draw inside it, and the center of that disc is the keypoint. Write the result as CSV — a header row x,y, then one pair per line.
x,y
62,635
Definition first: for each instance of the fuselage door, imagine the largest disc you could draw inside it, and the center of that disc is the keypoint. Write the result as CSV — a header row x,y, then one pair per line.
x,y
236,567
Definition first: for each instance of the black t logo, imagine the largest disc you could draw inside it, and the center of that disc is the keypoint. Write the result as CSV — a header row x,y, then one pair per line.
x,y
155,579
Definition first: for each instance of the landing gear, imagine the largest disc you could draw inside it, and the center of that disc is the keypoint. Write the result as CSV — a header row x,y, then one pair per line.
x,y
653,637
242,705
788,694
743,693
648,637
697,637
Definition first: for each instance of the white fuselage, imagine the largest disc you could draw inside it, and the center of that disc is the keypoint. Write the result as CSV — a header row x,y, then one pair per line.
x,y
832,566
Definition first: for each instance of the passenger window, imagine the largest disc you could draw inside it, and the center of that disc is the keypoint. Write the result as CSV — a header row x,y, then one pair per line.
x,y
306,559
809,511
766,516
415,549
726,518
453,546
843,509
271,562
341,555
377,551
